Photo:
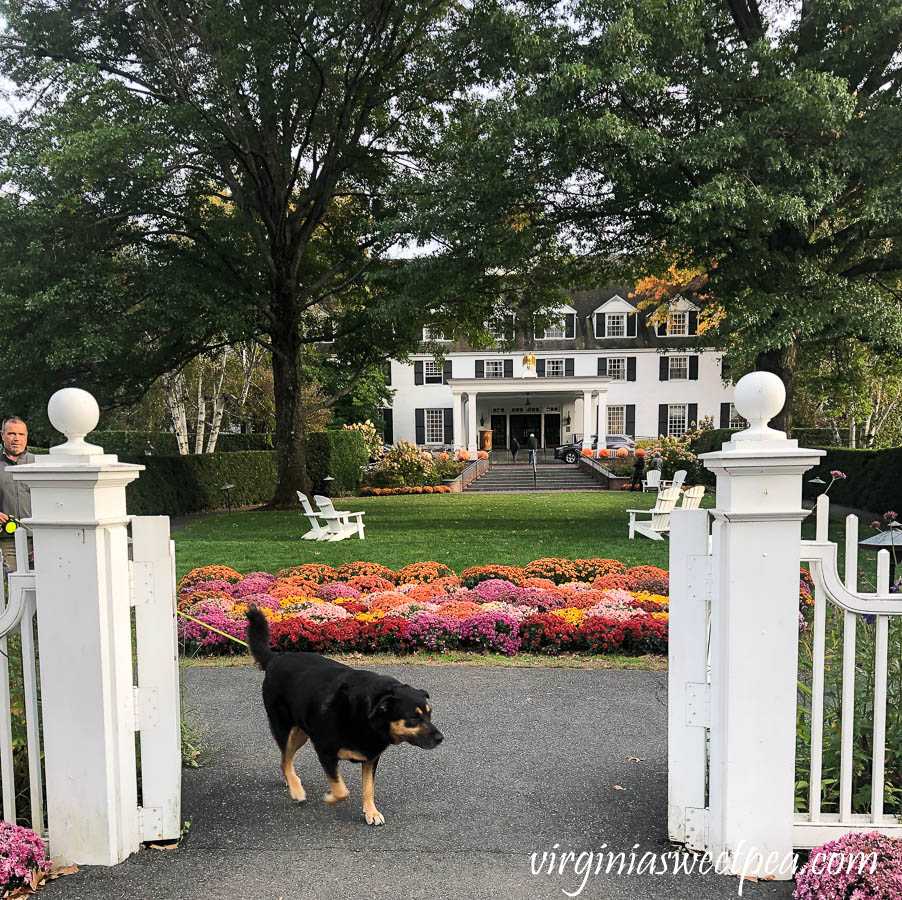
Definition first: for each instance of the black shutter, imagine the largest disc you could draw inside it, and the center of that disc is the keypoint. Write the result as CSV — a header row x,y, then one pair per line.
x,y
693,368
693,322
631,420
418,372
388,372
449,425
446,371
568,368
631,325
480,368
508,368
724,415
631,368
663,369
540,368
693,414
602,365
388,426
420,420
662,329
662,419
570,325
599,325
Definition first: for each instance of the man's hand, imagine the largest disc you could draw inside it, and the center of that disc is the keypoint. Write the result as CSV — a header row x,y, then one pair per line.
x,y
4,518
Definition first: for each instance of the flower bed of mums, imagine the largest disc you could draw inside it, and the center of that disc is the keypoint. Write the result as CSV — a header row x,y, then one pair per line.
x,y
549,606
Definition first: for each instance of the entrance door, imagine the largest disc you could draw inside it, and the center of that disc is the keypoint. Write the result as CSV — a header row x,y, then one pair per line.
x,y
499,431
552,429
523,425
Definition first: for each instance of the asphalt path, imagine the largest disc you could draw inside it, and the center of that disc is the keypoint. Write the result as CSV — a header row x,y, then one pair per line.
x,y
535,761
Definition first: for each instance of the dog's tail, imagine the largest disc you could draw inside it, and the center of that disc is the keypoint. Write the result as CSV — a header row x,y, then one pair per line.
x,y
258,637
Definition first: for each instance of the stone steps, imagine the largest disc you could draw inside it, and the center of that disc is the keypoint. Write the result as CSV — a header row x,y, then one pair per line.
x,y
549,477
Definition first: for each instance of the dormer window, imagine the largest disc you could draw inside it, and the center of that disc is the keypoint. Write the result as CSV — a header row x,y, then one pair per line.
x,y
615,325
562,329
433,334
502,328
679,324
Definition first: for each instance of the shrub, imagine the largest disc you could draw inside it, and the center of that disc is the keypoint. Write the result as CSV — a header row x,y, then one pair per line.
x,y
209,573
316,572
432,632
22,855
334,589
422,572
370,584
884,884
472,576
547,633
558,570
587,569
293,586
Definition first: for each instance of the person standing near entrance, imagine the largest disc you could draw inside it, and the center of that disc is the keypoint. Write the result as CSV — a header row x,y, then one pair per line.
x,y
533,446
15,497
515,449
657,464
638,472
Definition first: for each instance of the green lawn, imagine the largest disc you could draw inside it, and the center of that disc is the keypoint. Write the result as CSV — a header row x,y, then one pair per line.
x,y
459,530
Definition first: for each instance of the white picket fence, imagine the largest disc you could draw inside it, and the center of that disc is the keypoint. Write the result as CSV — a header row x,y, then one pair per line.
x,y
815,827
156,694
694,547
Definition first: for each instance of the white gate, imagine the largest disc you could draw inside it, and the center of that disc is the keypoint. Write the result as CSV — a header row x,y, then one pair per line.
x,y
733,682
103,594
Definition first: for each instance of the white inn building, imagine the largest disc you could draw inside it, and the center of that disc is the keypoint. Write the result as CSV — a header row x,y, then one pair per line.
x,y
600,369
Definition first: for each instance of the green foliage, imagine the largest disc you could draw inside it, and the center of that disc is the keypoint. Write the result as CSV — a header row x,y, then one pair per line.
x,y
873,478
339,454
405,465
178,485
163,443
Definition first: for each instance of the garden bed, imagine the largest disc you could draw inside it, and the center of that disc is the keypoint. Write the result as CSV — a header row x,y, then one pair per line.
x,y
549,606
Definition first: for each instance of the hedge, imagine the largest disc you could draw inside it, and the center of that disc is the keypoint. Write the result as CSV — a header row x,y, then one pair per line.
x,y
178,485
164,442
873,478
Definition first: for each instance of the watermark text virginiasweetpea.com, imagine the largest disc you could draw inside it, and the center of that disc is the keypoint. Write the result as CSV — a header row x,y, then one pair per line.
x,y
575,867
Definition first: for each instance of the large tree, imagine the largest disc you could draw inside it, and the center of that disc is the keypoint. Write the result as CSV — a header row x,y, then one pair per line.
x,y
201,173
754,142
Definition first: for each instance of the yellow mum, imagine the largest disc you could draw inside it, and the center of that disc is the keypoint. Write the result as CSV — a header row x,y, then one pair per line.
x,y
570,615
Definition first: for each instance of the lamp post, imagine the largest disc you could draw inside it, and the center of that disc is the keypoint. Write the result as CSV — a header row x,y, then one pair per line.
x,y
228,491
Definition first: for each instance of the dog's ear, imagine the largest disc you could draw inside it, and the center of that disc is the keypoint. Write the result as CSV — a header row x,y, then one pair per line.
x,y
382,704
426,694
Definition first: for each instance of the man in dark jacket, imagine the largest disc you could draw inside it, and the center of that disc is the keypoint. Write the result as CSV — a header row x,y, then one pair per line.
x,y
515,449
533,446
15,497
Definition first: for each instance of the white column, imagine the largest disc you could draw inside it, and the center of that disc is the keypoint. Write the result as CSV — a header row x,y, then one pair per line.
x,y
84,631
587,419
458,406
472,430
754,632
601,418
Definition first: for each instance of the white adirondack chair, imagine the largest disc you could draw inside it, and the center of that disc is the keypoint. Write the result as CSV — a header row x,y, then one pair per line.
x,y
660,516
692,497
678,478
317,532
652,480
338,522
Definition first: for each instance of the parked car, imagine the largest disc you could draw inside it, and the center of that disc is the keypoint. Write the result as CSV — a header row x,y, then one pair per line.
x,y
570,453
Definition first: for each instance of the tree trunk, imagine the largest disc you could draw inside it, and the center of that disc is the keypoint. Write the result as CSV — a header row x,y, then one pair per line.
x,y
175,402
290,440
782,362
201,413
218,402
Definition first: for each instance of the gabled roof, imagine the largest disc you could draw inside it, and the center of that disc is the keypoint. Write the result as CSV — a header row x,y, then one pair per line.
x,y
615,304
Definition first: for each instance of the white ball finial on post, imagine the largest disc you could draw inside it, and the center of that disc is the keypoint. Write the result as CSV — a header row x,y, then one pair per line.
x,y
75,413
758,397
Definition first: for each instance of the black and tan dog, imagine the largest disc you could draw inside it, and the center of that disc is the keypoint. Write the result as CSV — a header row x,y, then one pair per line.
x,y
346,714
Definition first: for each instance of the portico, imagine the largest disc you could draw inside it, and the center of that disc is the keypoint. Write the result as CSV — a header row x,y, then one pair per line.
x,y
555,409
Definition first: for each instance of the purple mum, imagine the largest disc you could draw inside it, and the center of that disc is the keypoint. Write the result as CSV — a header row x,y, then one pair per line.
x,y
850,860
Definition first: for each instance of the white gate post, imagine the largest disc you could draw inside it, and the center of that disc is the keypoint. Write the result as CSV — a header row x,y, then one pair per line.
x,y
84,639
754,635
687,676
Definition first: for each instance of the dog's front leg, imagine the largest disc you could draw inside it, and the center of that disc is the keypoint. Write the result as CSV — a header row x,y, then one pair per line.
x,y
338,791
373,816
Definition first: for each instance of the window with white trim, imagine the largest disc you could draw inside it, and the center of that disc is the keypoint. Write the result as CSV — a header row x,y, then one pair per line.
x,y
678,324
617,369
503,327
678,368
555,330
615,325
432,372
736,421
494,368
616,420
554,368
677,419
433,334
435,426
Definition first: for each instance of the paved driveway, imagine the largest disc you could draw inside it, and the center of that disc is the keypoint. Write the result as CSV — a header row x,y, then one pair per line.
x,y
531,763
